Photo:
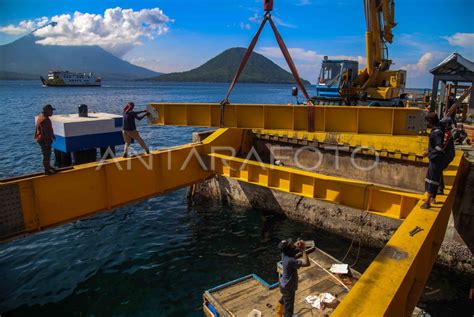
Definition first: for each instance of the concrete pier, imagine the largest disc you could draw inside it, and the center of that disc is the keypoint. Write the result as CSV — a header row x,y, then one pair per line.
x,y
370,229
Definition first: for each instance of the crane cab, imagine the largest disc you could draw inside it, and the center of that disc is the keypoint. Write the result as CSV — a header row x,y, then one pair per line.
x,y
335,74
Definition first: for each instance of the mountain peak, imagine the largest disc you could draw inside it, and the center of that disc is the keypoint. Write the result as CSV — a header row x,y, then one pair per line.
x,y
222,68
25,56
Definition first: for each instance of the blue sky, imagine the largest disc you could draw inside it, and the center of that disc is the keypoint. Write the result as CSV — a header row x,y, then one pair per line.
x,y
195,31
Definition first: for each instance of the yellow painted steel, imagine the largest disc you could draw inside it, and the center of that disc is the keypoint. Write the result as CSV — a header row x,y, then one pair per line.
x,y
393,283
381,200
88,188
399,147
376,80
335,119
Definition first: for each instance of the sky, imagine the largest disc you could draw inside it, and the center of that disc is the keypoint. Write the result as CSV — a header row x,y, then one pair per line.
x,y
178,35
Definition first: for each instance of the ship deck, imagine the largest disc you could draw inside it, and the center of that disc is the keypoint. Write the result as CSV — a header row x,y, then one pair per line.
x,y
250,293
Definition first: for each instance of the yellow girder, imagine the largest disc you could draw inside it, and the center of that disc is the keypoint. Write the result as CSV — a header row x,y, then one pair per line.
x,y
394,281
362,195
38,202
391,285
43,201
334,119
398,147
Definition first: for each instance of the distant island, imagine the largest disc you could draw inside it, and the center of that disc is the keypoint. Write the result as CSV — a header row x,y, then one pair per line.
x,y
26,59
222,68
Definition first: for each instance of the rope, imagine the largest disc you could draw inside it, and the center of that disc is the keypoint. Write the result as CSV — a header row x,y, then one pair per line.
x,y
243,62
289,61
349,249
340,282
362,223
296,76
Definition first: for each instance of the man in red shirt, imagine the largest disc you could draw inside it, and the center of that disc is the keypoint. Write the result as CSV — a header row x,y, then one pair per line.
x,y
129,130
44,135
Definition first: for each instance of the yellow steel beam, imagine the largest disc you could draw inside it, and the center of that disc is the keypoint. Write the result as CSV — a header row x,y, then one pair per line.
x,y
403,147
33,203
393,283
382,200
334,119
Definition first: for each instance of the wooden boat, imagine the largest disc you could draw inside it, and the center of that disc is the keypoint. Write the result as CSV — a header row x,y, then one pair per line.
x,y
252,296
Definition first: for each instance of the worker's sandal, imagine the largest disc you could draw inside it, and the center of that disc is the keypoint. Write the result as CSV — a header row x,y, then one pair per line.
x,y
425,206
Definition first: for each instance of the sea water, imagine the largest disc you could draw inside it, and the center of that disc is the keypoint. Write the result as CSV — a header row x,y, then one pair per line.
x,y
156,257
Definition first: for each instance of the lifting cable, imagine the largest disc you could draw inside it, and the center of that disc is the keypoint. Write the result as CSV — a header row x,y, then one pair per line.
x,y
268,17
359,234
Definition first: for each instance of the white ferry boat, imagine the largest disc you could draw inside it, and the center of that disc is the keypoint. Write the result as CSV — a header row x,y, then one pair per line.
x,y
65,78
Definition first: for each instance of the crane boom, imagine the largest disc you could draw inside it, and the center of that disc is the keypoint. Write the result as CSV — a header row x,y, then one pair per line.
x,y
341,81
376,80
380,19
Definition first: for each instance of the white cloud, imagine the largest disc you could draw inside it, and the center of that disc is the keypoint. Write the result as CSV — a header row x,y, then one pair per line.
x,y
24,27
256,18
422,65
117,30
307,62
282,23
300,54
418,74
465,40
163,63
245,26
426,62
152,64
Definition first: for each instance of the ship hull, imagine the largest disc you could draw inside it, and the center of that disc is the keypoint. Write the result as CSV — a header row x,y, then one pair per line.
x,y
68,85
67,79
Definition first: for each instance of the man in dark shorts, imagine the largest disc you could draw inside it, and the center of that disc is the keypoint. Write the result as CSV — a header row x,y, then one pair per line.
x,y
129,130
44,136
438,156
289,276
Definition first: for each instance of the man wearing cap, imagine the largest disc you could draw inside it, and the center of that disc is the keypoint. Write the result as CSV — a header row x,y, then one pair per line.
x,y
289,276
44,135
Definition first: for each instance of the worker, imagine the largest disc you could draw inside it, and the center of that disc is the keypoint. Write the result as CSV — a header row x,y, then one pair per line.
x,y
451,101
437,156
460,135
44,136
129,130
449,150
289,276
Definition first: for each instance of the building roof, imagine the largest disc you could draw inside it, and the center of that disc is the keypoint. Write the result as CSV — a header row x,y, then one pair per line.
x,y
454,64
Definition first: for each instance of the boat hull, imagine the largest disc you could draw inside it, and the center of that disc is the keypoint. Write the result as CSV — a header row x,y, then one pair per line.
x,y
67,79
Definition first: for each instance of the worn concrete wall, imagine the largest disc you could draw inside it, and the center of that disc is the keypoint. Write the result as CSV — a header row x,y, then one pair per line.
x,y
391,172
372,230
